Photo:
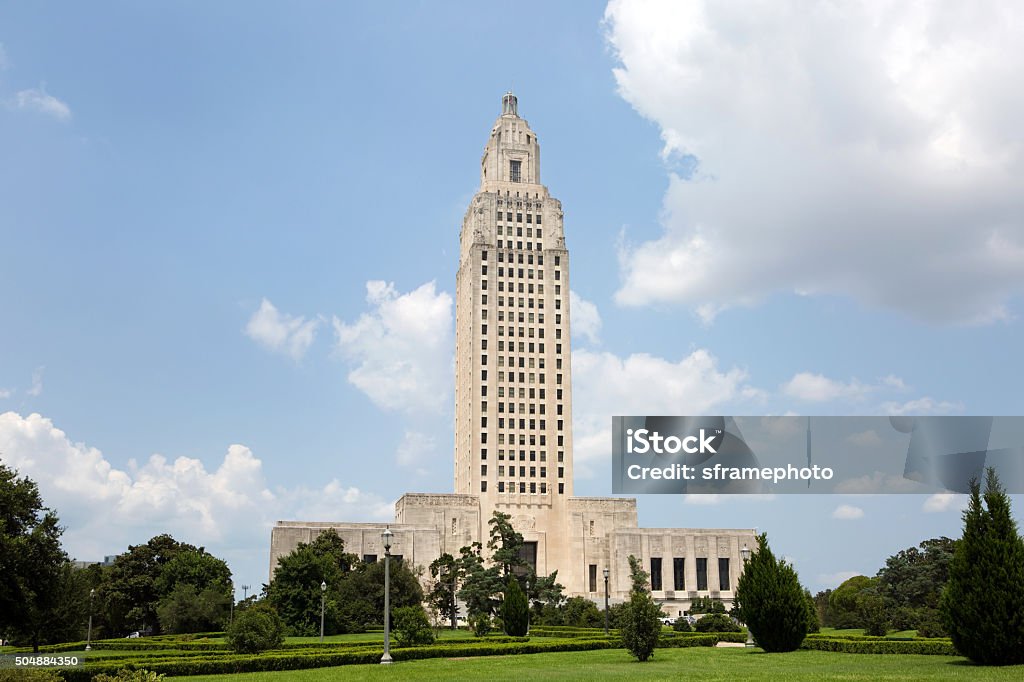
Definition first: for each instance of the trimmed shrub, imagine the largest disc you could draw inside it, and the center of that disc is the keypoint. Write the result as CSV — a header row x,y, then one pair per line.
x,y
865,645
716,622
983,602
515,610
682,625
125,675
412,627
256,629
28,675
481,624
771,601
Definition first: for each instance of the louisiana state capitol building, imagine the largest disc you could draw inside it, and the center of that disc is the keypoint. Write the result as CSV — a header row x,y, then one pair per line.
x,y
513,414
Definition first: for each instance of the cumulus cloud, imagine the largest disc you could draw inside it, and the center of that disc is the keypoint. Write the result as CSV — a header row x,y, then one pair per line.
x,y
867,150
865,439
940,502
922,406
847,512
819,388
229,506
281,332
416,450
39,101
605,385
402,349
585,320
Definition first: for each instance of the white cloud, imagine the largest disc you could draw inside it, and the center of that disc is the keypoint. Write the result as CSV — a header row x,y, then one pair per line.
x,y
402,349
39,101
605,385
847,512
228,507
416,451
5,393
834,580
36,389
940,502
865,439
867,150
704,499
585,320
819,388
281,332
922,406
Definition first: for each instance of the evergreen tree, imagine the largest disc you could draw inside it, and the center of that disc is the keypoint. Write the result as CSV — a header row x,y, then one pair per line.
x,y
640,621
983,602
813,623
515,611
771,601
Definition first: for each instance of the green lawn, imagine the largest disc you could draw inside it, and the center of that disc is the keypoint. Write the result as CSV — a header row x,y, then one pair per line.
x,y
669,664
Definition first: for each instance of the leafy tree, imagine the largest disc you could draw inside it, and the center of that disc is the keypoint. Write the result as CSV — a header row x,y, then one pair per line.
x,y
911,583
771,601
187,610
256,629
505,544
546,595
813,624
32,563
515,611
821,602
983,602
359,597
580,612
295,590
682,625
445,572
412,627
845,601
706,605
480,585
481,624
640,623
716,622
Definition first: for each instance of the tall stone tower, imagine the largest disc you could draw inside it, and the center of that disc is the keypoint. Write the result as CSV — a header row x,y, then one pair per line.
x,y
513,393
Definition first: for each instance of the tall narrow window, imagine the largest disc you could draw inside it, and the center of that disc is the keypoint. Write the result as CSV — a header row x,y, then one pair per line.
x,y
723,574
702,574
678,574
655,574
593,577
514,170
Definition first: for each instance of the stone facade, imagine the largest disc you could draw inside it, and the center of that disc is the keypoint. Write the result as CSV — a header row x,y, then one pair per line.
x,y
513,414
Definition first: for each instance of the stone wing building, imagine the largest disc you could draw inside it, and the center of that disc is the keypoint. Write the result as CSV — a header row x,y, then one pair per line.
x,y
513,415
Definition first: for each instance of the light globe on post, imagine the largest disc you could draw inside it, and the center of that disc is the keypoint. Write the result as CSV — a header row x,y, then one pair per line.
x,y
385,539
88,641
323,593
745,553
606,600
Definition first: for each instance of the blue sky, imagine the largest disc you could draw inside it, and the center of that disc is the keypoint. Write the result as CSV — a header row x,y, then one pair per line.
x,y
225,226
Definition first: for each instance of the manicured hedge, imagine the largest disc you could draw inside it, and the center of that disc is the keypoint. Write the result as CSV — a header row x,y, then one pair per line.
x,y
880,646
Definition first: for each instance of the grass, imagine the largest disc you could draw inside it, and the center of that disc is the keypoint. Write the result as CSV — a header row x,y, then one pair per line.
x,y
668,664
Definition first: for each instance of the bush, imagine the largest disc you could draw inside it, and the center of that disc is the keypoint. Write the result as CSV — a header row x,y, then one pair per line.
x,y
481,624
983,602
256,629
515,610
640,626
682,625
22,675
771,601
717,622
865,645
125,675
412,627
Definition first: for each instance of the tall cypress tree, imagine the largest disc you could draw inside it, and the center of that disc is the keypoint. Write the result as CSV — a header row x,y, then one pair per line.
x,y
771,601
515,611
983,602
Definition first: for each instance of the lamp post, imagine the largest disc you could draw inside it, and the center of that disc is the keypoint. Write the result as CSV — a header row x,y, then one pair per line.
x,y
386,540
745,552
323,593
88,641
606,600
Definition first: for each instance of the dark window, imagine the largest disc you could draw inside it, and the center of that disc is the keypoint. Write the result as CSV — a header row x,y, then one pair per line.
x,y
678,573
561,488
655,574
538,219
702,574
483,486
519,219
723,573
501,486
593,577
369,558
514,170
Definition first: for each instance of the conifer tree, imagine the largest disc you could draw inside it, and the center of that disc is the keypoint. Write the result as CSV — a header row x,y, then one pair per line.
x,y
515,610
982,605
771,601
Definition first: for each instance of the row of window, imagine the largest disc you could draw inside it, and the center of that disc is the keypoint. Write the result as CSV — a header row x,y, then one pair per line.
x,y
522,487
529,258
523,288
678,574
533,426
530,232
511,376
507,215
522,303
522,471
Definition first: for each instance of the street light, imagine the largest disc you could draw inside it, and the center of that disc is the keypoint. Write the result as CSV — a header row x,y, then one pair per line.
x,y
386,540
323,593
606,600
745,552
88,641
